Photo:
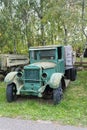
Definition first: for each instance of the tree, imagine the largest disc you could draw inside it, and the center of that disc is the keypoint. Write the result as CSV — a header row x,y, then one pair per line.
x,y
41,22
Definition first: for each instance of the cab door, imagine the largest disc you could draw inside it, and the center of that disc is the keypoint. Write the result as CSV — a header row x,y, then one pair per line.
x,y
60,53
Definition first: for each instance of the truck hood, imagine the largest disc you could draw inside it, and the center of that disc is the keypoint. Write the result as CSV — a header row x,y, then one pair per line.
x,y
45,65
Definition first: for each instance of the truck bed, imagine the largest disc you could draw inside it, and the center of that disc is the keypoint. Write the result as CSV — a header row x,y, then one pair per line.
x,y
9,60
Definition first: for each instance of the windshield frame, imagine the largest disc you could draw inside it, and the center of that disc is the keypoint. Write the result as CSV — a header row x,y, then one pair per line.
x,y
42,54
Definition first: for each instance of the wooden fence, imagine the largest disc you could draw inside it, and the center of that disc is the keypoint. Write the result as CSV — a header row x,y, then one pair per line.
x,y
81,64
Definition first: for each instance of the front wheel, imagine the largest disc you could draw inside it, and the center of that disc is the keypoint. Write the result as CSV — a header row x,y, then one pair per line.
x,y
11,92
57,94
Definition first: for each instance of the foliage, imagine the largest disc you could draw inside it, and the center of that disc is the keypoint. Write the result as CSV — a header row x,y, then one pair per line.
x,y
41,22
72,109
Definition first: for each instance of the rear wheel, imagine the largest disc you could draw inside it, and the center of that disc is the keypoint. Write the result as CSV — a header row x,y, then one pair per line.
x,y
11,92
57,94
73,74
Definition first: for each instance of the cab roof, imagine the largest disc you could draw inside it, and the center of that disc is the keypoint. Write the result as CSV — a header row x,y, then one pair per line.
x,y
44,47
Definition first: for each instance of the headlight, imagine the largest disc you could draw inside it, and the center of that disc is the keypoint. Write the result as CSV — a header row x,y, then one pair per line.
x,y
44,75
19,74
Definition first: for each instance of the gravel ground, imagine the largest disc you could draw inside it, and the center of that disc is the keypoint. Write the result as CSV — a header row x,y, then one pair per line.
x,y
18,124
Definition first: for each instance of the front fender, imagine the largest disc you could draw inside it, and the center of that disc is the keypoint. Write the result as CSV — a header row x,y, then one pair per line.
x,y
55,80
10,77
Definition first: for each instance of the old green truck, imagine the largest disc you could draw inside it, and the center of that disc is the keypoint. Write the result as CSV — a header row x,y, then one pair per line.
x,y
45,76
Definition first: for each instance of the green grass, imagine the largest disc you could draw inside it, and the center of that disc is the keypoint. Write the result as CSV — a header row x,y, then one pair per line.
x,y
79,59
72,110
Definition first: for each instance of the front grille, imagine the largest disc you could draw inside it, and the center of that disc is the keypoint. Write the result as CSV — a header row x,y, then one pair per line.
x,y
31,74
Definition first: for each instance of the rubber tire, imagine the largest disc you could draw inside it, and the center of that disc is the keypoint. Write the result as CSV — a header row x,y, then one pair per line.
x,y
57,94
67,74
73,74
11,92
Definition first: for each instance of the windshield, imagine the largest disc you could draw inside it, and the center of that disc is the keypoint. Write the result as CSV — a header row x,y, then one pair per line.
x,y
43,54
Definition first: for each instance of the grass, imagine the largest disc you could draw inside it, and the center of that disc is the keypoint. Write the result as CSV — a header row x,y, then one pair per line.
x,y
72,110
79,59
